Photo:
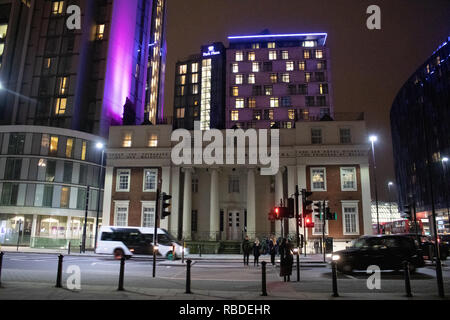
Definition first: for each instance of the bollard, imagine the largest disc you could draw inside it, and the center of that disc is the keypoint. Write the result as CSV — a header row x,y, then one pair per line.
x,y
80,248
407,279
188,276
334,272
200,250
263,273
182,253
1,262
121,274
68,249
59,274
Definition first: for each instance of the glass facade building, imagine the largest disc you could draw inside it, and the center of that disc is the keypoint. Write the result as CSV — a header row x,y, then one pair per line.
x,y
421,139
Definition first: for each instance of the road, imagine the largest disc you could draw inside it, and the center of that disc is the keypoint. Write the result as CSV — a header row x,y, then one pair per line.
x,y
40,269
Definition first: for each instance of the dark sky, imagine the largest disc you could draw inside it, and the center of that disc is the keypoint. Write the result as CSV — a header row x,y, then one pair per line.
x,y
368,66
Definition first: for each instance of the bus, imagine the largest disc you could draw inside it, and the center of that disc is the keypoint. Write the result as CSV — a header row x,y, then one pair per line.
x,y
398,227
129,241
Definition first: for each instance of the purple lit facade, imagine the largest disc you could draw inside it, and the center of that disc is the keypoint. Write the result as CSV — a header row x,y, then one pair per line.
x,y
276,80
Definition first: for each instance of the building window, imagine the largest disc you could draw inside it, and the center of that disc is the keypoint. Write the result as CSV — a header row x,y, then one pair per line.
x,y
345,135
233,184
267,66
316,136
234,115
47,63
3,30
69,148
194,220
50,171
148,214
251,102
13,168
150,180
121,214
302,65
194,67
274,102
348,179
234,91
309,101
194,185
308,76
65,197
153,140
180,113
350,221
257,115
322,65
123,180
320,76
291,114
235,67
286,101
306,54
182,69
60,107
57,7
63,86
323,88
240,103
83,150
16,143
127,139
309,43
303,89
318,179
239,56
285,78
100,32
321,101
255,67
239,79
268,90
289,66
194,78
319,54
251,56
268,114
251,78
272,55
255,45
271,45
53,145
273,77
284,54
194,89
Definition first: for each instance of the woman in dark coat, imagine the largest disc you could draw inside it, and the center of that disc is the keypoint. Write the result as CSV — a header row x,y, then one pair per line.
x,y
246,250
256,251
286,260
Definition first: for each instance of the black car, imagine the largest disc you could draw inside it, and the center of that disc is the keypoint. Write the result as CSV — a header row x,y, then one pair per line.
x,y
427,245
388,252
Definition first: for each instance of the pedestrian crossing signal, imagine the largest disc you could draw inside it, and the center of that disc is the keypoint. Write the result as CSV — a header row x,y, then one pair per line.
x,y
308,222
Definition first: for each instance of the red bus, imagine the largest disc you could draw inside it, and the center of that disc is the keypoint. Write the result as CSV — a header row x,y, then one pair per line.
x,y
398,226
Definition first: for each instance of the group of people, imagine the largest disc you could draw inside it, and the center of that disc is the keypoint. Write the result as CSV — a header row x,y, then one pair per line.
x,y
283,247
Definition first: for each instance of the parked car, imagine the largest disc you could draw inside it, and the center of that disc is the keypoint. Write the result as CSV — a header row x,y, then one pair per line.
x,y
388,252
427,245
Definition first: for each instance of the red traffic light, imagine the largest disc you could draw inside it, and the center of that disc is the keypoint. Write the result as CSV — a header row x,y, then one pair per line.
x,y
308,222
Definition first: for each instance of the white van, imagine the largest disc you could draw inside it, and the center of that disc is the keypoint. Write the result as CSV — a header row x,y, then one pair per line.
x,y
128,241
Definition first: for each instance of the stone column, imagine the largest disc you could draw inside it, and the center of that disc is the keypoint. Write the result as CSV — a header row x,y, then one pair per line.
x,y
366,199
175,207
165,187
251,204
187,204
214,224
107,197
279,194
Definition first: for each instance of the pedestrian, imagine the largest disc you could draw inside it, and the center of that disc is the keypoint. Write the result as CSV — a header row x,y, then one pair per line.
x,y
272,249
256,252
267,246
286,260
246,250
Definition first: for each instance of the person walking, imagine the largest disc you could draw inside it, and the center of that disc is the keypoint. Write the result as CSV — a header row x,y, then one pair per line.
x,y
256,252
286,260
246,250
272,249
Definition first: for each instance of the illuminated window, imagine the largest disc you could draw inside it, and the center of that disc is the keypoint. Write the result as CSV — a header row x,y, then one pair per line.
x,y
272,55
195,89
239,56
255,67
235,67
306,54
291,114
57,7
127,140
182,90
100,32
348,179
180,113
309,44
308,76
240,103
69,148
61,104
65,195
318,179
251,56
83,150
289,66
251,78
53,145
257,115
150,180
319,54
302,65
251,102
235,91
194,78
322,65
271,45
2,48
284,54
323,88
268,90
182,69
255,45
285,77
63,85
274,102
194,67
3,30
234,115
182,79
47,63
239,79
123,180
273,77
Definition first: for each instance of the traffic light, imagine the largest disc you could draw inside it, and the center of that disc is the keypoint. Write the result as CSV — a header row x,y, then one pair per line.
x,y
308,222
281,212
407,212
291,208
317,210
330,215
299,221
165,205
306,202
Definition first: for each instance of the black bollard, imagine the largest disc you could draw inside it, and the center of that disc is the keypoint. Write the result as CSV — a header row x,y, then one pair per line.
x,y
68,249
182,253
59,274
407,279
263,274
334,272
188,276
200,250
1,262
121,274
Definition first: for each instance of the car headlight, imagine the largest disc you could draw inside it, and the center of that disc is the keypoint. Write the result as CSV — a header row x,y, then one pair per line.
x,y
335,257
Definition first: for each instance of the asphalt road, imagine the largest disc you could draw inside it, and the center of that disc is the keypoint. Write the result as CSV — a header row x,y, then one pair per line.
x,y
207,275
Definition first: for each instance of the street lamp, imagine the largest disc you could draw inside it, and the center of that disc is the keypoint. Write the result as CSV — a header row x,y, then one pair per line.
x,y
444,165
99,146
374,139
390,184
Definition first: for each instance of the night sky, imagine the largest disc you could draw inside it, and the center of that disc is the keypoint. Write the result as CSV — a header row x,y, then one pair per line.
x,y
368,67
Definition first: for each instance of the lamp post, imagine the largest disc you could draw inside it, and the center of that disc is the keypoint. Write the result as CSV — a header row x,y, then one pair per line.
x,y
374,139
390,183
99,146
444,165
